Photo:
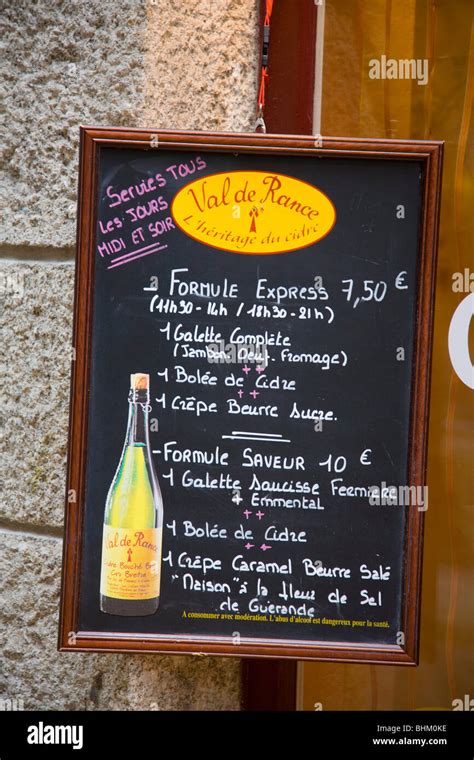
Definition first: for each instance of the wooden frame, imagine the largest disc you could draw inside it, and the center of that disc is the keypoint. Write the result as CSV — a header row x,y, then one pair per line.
x,y
289,91
269,685
92,139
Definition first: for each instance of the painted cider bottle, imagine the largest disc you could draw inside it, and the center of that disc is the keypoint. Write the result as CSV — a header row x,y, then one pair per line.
x,y
133,520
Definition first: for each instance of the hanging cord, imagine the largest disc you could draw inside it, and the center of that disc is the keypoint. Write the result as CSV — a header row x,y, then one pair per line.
x,y
260,121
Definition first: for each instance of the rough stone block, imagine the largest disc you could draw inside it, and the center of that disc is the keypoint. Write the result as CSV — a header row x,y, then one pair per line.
x,y
38,677
156,64
36,333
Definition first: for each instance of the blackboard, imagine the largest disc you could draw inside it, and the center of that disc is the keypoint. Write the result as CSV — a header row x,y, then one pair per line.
x,y
279,295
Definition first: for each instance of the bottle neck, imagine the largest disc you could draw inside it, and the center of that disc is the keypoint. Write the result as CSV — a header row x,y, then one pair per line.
x,y
138,408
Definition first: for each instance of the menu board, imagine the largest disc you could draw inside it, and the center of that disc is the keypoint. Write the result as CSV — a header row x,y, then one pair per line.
x,y
250,390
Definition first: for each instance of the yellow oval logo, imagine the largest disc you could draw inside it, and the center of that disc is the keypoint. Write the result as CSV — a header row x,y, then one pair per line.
x,y
253,212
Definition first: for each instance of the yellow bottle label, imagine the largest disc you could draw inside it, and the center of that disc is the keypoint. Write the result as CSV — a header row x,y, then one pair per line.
x,y
131,563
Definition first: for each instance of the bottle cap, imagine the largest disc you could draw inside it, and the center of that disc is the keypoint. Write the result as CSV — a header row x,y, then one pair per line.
x,y
139,381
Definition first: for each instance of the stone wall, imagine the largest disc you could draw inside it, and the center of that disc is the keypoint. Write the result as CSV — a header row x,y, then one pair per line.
x,y
162,64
